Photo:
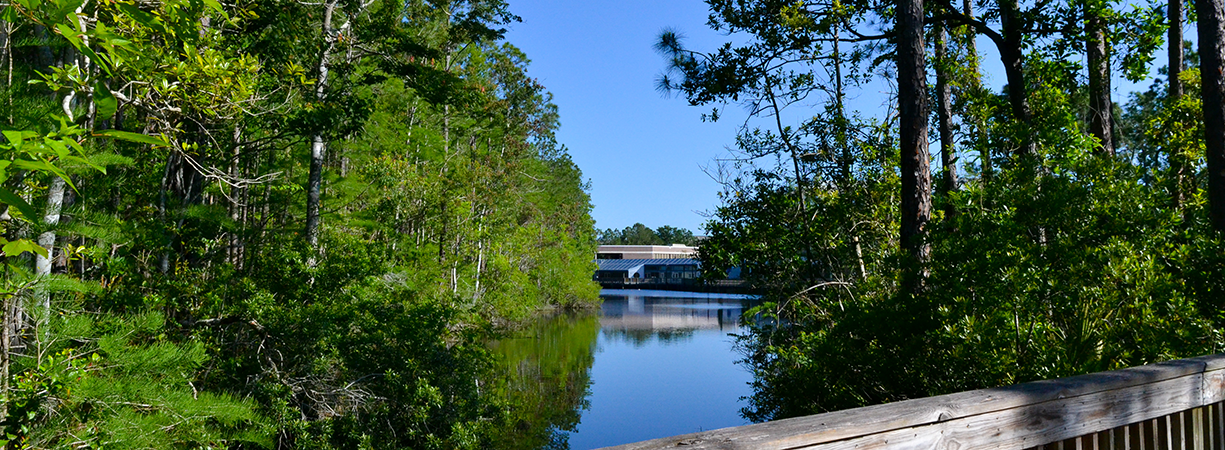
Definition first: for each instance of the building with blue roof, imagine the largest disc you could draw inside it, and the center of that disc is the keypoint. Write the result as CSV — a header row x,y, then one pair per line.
x,y
653,271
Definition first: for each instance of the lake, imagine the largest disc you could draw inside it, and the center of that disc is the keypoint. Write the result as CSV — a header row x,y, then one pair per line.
x,y
649,364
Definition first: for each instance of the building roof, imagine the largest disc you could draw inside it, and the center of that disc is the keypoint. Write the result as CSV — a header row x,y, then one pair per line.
x,y
631,264
646,247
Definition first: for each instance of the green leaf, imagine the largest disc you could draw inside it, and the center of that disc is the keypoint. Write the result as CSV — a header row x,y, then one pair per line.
x,y
14,200
57,146
8,14
16,138
72,35
68,8
105,101
142,17
35,165
20,246
134,137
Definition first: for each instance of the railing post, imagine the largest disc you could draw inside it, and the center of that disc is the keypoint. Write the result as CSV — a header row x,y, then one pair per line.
x,y
1197,421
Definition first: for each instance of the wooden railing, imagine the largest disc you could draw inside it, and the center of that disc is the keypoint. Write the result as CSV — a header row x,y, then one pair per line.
x,y
1166,406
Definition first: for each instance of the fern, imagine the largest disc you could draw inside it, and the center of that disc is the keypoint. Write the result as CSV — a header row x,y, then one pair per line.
x,y
118,382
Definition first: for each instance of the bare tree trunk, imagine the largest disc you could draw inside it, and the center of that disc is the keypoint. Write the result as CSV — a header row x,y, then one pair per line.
x,y
1097,54
845,161
55,197
1211,15
42,264
975,85
318,145
163,263
800,187
1174,49
913,113
944,111
6,349
1012,55
237,206
44,59
6,57
1174,94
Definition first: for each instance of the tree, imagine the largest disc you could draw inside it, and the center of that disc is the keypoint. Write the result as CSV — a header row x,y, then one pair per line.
x,y
944,117
1046,257
1101,109
640,234
1174,92
1211,25
913,113
184,256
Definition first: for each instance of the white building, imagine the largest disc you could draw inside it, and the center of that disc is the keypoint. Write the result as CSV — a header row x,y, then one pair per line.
x,y
674,251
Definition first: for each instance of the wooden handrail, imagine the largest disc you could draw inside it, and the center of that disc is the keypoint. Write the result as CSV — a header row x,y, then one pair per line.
x,y
1106,409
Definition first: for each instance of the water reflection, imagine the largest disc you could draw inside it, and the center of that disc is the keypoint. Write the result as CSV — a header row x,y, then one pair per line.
x,y
548,367
645,317
649,364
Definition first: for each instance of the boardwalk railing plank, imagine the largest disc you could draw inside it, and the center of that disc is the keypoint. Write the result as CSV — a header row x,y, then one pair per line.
x,y
1161,406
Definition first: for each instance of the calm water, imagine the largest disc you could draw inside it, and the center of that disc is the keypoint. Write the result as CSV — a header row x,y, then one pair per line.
x,y
650,364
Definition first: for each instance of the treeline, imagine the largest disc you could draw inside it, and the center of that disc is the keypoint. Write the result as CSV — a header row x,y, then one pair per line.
x,y
1059,232
274,224
640,234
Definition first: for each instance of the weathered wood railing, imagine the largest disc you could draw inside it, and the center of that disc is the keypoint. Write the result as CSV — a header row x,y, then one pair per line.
x,y
1166,406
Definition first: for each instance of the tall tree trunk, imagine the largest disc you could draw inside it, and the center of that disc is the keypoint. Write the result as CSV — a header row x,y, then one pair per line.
x,y
44,59
42,264
913,112
974,85
55,195
163,262
318,144
1173,95
1174,48
1098,62
1012,54
845,160
6,58
944,112
6,349
800,187
1212,62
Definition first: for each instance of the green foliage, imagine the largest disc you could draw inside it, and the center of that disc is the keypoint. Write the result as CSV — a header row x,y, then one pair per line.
x,y
640,234
1054,263
1106,291
182,283
121,382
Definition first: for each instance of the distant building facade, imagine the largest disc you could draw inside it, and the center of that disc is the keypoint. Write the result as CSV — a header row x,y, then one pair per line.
x,y
652,271
674,251
668,267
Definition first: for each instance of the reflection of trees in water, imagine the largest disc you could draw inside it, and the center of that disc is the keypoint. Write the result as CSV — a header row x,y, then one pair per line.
x,y
547,366
642,337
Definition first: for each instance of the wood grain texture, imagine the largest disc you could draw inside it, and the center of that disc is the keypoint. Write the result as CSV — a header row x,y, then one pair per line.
x,y
1014,417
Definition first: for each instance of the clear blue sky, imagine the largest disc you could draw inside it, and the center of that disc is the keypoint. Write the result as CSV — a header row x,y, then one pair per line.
x,y
642,152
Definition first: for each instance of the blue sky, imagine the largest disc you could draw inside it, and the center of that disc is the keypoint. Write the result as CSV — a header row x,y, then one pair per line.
x,y
644,153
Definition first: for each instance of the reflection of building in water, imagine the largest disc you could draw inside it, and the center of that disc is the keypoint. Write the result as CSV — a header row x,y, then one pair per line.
x,y
664,314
